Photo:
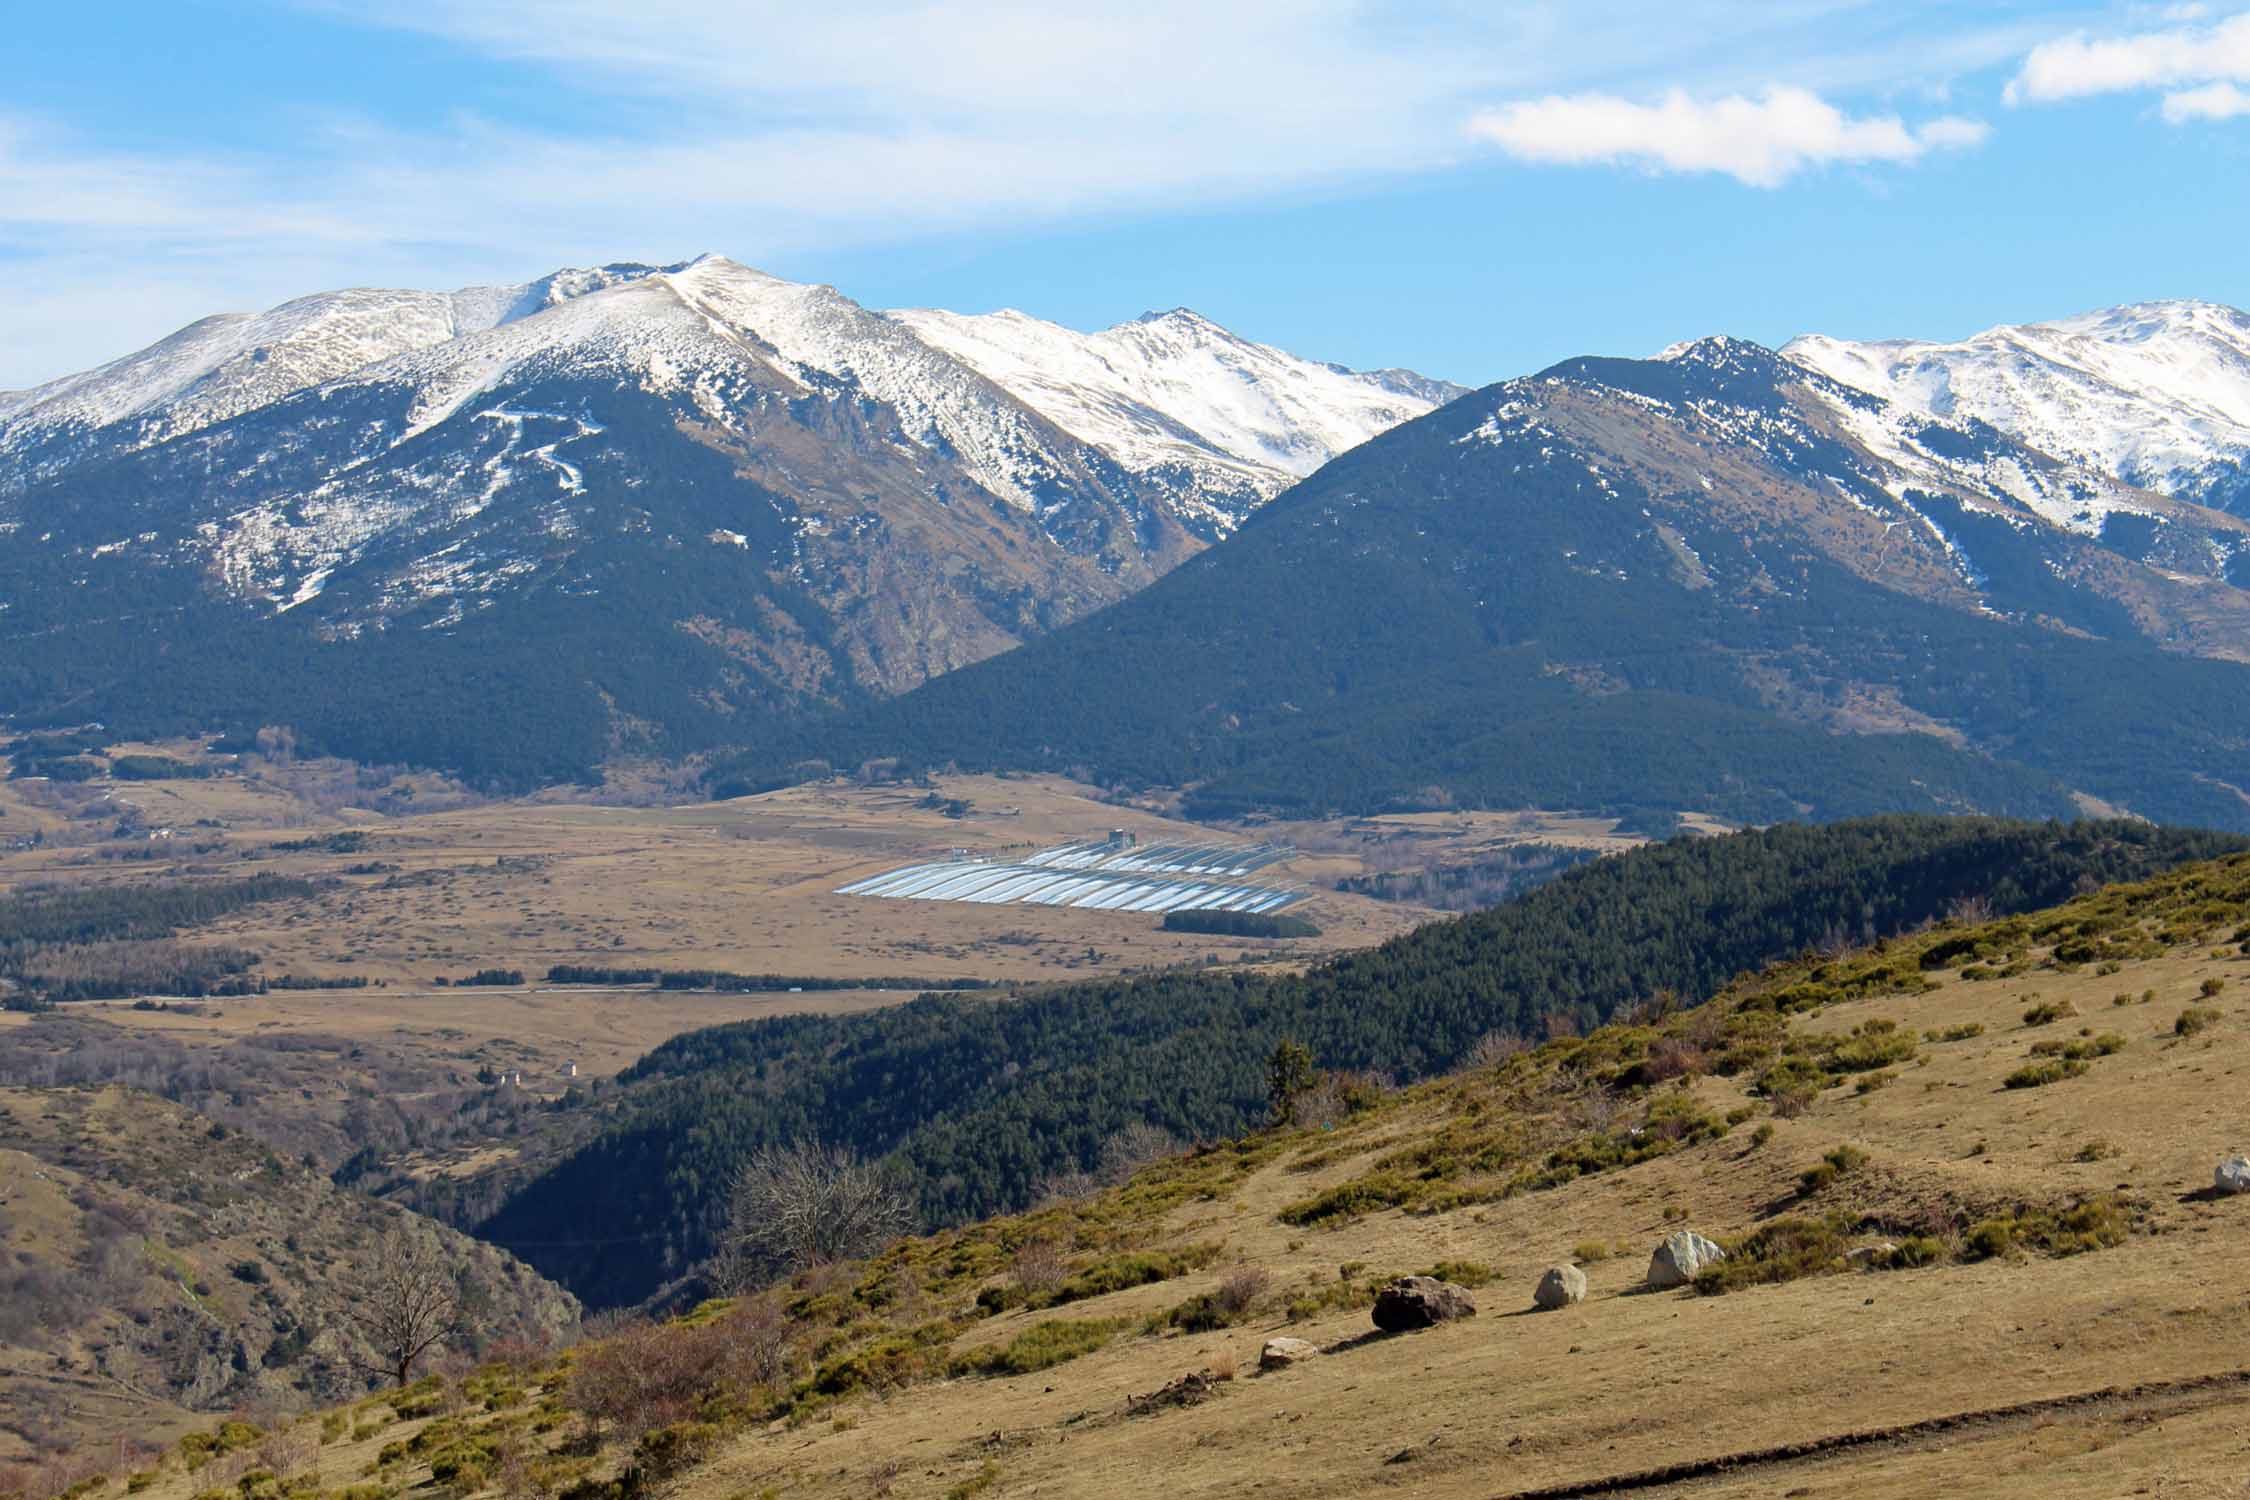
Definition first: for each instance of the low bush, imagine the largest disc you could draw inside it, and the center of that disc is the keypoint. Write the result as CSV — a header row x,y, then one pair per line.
x,y
1040,1346
2082,1048
1468,1273
2195,1020
1784,1250
2047,1012
2040,1074
2092,1224
1841,1162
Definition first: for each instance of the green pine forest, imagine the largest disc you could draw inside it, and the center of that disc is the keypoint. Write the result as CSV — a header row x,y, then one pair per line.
x,y
979,1101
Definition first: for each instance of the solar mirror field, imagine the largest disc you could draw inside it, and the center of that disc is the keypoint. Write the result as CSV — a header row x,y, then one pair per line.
x,y
1113,874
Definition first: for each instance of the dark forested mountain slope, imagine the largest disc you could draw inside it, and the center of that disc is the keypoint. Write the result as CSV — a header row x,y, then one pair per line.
x,y
1694,582
982,1100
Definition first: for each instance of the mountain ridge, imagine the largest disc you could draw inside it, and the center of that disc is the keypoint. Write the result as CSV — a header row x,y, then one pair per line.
x,y
2156,393
737,496
1719,581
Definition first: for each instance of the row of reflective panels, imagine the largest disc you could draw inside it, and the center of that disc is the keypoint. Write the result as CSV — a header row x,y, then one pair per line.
x,y
1092,890
1161,859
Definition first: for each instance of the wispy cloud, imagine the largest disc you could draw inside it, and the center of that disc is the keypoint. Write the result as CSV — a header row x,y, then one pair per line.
x,y
1761,141
2195,67
768,129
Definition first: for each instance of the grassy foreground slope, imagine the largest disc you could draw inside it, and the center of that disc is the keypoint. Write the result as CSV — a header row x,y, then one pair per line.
x,y
2044,1307
982,1102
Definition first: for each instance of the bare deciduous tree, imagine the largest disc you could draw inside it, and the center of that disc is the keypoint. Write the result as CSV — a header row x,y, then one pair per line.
x,y
1970,911
806,1205
1494,1048
1132,1147
413,1303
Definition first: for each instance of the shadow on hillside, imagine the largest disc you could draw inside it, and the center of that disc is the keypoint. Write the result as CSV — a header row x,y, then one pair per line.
x,y
1362,1340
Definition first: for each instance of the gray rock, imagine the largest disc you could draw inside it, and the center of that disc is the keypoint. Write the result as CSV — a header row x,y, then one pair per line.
x,y
1683,1253
1420,1302
2233,1175
1285,1351
1560,1287
1864,1256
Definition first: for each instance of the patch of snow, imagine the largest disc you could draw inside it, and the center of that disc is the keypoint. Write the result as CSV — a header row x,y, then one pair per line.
x,y
2156,393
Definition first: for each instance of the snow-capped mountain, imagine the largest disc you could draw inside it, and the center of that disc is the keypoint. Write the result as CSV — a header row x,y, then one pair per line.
x,y
2156,393
807,498
226,365
1717,579
1226,422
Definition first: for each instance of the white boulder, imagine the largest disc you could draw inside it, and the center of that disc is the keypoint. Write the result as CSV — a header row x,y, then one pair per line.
x,y
1680,1257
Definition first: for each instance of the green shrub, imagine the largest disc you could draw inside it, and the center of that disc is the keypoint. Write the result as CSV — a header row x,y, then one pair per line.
x,y
2213,988
2081,1048
1469,1273
1761,1135
2195,1020
2040,1074
1917,1250
1841,1162
1989,1238
1784,1250
2093,1224
2047,1012
1351,1200
1960,1033
1127,1270
1043,1344
673,1450
1871,1045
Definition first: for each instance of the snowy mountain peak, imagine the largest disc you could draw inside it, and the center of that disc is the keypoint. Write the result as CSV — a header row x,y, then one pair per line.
x,y
2156,393
1175,394
1717,351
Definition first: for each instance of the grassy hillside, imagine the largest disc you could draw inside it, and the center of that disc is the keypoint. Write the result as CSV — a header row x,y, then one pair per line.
x,y
981,1103
1941,1278
155,1265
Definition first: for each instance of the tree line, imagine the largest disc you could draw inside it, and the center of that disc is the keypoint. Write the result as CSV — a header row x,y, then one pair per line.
x,y
979,1102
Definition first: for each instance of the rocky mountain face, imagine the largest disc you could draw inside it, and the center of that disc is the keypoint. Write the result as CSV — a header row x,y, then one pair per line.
x,y
733,496
159,1266
1716,579
2155,393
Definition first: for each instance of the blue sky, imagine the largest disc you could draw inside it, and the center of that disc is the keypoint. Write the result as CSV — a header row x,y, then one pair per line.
x,y
1469,189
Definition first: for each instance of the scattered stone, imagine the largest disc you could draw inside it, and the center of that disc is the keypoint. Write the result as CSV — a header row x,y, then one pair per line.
x,y
1421,1302
1192,1389
1560,1287
1680,1257
1284,1351
1867,1255
2233,1175
1411,1455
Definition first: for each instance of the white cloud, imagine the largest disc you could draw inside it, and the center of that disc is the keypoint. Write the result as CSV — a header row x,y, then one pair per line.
x,y
771,130
1763,141
2193,65
2213,101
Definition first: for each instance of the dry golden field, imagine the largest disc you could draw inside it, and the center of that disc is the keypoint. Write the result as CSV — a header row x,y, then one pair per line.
x,y
744,886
